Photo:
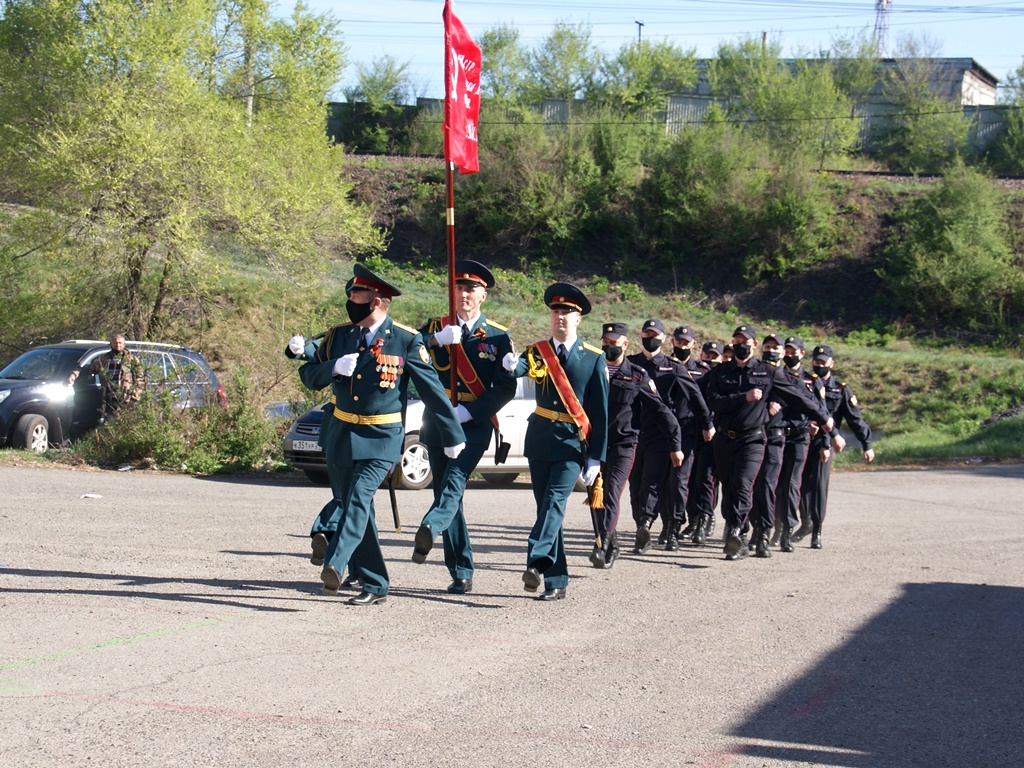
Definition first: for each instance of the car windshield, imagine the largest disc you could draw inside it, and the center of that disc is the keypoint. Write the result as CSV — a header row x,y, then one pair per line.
x,y
43,364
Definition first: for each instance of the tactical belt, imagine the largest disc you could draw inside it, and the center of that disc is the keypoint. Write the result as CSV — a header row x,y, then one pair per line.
x,y
775,432
464,397
734,434
795,431
356,418
554,415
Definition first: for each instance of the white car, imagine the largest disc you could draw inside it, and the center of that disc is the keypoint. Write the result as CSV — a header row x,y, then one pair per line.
x,y
302,452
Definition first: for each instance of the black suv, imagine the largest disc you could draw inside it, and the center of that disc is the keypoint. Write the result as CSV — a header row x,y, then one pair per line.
x,y
39,408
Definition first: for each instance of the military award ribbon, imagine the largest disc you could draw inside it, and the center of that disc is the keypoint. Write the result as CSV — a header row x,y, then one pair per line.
x,y
564,388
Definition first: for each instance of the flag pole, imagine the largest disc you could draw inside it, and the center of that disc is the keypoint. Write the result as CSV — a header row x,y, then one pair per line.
x,y
450,189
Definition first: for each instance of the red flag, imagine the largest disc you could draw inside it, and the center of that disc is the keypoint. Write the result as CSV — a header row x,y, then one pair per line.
x,y
461,94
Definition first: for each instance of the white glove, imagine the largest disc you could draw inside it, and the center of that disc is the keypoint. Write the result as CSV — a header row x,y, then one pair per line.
x,y
589,474
509,362
297,344
450,334
452,452
346,364
463,413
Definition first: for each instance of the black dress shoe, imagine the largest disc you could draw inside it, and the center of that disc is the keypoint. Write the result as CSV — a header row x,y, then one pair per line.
x,y
331,581
815,541
319,545
532,579
555,593
424,542
461,586
351,583
597,558
366,598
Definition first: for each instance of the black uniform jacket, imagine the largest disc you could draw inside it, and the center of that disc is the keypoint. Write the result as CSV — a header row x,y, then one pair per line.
x,y
727,395
679,391
630,390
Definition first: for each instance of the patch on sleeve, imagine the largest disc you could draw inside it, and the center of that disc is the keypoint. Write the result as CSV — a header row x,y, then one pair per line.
x,y
853,400
650,384
423,355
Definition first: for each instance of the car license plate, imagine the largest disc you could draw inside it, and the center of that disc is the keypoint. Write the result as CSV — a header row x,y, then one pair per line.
x,y
305,445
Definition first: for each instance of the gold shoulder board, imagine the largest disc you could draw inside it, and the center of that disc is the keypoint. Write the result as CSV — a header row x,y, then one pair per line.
x,y
496,325
405,328
592,348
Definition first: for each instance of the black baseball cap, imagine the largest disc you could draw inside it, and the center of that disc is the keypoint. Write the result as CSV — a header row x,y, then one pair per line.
x,y
794,341
746,330
822,351
683,333
654,324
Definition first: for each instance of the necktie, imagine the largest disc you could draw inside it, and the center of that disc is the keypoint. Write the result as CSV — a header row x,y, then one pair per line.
x,y
367,340
465,333
563,353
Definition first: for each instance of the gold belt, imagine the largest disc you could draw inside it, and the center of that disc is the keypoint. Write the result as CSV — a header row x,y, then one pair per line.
x,y
554,415
356,418
464,397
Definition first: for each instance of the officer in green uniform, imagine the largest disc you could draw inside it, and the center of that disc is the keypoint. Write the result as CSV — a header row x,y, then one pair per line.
x,y
368,365
484,387
567,433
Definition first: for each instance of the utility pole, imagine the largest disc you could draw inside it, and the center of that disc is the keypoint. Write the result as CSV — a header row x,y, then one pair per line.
x,y
882,9
639,30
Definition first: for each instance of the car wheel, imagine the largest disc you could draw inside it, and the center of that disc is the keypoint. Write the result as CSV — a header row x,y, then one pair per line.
x,y
317,476
414,465
501,478
32,433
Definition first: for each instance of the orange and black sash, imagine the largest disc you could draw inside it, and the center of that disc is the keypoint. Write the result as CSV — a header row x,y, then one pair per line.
x,y
564,388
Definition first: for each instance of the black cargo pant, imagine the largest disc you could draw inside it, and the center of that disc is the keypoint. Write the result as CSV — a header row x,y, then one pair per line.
x,y
787,494
768,479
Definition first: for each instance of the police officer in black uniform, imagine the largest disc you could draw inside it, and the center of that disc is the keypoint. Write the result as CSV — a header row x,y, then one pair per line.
x,y
842,405
630,388
763,517
700,506
652,480
739,392
797,427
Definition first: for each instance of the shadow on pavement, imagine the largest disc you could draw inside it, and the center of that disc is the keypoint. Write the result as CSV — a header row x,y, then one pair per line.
x,y
936,679
243,589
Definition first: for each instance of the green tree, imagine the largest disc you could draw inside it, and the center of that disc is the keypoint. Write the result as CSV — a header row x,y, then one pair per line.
x,y
503,74
929,129
643,74
137,152
1008,153
564,66
379,121
796,105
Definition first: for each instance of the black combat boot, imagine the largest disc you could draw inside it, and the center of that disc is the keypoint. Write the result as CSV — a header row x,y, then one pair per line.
x,y
816,537
643,536
700,536
801,533
597,557
709,525
691,528
735,545
776,535
786,540
672,539
762,548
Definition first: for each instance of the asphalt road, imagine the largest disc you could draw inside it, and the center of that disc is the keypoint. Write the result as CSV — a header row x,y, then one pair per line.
x,y
159,620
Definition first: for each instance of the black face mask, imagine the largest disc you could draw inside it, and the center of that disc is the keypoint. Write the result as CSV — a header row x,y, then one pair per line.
x,y
712,363
651,343
821,370
741,351
612,352
791,361
771,356
358,312
681,354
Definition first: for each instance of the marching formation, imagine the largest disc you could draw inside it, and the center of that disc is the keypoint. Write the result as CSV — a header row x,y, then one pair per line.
x,y
680,430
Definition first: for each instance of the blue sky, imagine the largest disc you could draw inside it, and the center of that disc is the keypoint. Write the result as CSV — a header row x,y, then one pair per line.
x,y
992,33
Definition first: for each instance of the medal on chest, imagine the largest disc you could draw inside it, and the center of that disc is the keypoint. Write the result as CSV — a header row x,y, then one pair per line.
x,y
390,367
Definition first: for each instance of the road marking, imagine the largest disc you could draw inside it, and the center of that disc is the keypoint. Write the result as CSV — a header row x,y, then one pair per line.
x,y
106,644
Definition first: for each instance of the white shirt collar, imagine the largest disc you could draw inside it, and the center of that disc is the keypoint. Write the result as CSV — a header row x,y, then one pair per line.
x,y
568,344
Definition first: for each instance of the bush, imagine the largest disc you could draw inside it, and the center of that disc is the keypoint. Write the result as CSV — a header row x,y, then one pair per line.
x,y
198,440
951,262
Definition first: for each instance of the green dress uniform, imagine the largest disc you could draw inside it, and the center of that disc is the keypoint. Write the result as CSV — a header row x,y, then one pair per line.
x,y
364,436
553,447
485,345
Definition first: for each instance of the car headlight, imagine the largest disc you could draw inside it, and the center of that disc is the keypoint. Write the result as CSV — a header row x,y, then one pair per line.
x,y
55,392
4,394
